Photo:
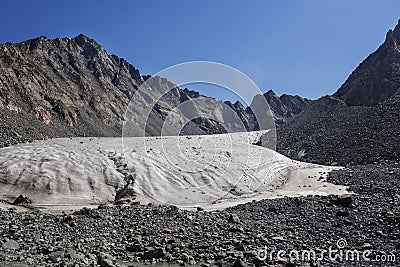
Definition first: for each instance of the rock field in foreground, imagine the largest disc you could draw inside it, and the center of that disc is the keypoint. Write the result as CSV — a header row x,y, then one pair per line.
x,y
224,238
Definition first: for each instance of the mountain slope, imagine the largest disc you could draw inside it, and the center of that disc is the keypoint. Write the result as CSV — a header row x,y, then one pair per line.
x,y
72,87
359,124
377,77
332,132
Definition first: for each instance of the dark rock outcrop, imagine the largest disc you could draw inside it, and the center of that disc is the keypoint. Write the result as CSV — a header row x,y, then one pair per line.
x,y
22,200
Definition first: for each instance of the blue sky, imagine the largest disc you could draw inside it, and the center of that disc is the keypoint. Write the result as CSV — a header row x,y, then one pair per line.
x,y
297,47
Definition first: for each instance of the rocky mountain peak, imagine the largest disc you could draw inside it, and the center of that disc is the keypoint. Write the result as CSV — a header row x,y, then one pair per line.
x,y
87,43
393,36
377,78
286,106
69,82
238,105
270,94
238,108
84,39
396,30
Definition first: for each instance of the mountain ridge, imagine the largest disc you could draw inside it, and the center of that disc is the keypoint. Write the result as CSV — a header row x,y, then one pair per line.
x,y
73,87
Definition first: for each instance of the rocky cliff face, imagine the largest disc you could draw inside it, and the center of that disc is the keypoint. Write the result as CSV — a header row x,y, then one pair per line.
x,y
377,78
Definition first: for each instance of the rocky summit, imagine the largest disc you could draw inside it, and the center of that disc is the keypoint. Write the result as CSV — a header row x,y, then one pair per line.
x,y
285,106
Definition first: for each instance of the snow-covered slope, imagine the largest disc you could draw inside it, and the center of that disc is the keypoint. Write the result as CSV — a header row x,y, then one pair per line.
x,y
186,171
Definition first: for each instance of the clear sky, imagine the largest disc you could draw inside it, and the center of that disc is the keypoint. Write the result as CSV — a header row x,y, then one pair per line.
x,y
297,47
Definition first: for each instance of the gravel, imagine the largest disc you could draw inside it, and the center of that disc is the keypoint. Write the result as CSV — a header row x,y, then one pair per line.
x,y
125,234
333,133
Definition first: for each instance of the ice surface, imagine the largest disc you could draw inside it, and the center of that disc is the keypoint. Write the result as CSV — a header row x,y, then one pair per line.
x,y
212,171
